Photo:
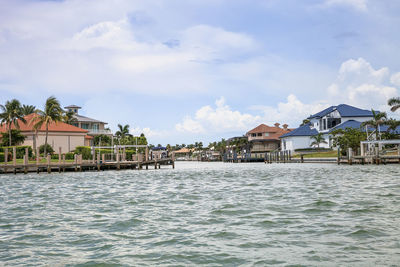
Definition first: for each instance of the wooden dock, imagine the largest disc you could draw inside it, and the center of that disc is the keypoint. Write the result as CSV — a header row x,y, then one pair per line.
x,y
97,163
85,166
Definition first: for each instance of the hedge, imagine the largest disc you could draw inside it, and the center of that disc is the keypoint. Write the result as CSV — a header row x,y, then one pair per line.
x,y
313,149
20,151
85,151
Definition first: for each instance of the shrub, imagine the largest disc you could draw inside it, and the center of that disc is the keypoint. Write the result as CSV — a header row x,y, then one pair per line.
x,y
313,149
20,151
1,156
49,149
69,156
85,151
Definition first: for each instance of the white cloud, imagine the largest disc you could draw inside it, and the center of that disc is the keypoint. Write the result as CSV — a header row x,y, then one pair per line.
x,y
149,133
210,120
360,5
395,79
359,84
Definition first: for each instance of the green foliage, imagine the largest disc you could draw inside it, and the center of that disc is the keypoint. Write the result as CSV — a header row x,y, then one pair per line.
x,y
16,138
394,103
69,156
11,114
123,131
1,156
49,149
28,109
318,139
85,151
20,151
348,138
105,140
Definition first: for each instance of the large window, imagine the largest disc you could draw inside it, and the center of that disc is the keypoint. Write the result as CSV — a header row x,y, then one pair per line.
x,y
332,122
95,127
85,126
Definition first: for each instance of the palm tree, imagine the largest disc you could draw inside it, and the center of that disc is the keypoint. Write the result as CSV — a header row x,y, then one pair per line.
x,y
393,124
28,109
52,113
11,113
318,139
69,118
123,131
378,118
394,102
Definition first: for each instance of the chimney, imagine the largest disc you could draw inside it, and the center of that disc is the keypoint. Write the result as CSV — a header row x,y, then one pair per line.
x,y
277,125
285,126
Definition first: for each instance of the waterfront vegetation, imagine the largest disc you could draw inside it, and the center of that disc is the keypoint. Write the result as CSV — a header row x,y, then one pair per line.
x,y
321,154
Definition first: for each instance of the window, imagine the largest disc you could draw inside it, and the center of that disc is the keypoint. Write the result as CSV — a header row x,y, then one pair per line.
x,y
259,134
95,127
266,134
75,124
332,122
253,135
85,126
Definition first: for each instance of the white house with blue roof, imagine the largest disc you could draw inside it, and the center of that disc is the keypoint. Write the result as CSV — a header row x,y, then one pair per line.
x,y
334,117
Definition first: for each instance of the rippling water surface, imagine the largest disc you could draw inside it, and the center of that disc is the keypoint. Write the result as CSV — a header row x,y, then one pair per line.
x,y
203,214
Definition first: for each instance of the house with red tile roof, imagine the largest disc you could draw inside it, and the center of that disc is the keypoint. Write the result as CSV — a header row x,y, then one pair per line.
x,y
265,138
60,134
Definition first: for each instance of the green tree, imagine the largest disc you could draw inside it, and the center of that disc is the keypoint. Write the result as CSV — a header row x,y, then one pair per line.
x,y
378,118
305,122
318,139
16,136
11,113
52,113
28,109
102,140
348,138
69,117
123,131
394,103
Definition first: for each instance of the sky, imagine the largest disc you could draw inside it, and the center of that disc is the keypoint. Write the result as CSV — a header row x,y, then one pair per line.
x,y
200,70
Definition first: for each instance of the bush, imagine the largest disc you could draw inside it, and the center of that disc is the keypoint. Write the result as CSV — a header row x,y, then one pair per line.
x,y
20,151
1,156
49,149
69,156
85,151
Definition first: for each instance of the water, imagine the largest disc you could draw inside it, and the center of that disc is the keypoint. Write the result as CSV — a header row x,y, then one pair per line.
x,y
211,214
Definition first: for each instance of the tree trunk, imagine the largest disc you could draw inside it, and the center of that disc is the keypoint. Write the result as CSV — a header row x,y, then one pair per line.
x,y
9,135
45,140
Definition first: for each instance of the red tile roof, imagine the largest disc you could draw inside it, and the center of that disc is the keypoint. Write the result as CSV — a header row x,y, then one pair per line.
x,y
274,132
53,127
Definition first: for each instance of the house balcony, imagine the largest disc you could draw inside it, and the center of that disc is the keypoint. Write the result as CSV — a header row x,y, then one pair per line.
x,y
99,132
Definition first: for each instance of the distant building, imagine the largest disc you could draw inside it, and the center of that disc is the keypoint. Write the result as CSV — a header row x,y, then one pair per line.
x,y
335,117
60,134
93,126
265,138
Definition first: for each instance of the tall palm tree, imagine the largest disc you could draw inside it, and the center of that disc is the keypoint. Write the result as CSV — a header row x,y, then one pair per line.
x,y
28,109
378,118
11,113
69,118
394,102
393,124
318,139
123,131
52,113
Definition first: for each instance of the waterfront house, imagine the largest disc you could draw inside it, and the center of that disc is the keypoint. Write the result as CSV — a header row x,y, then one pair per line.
x,y
325,121
60,134
265,138
93,126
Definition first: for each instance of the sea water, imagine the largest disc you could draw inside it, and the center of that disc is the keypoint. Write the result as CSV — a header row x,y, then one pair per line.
x,y
210,214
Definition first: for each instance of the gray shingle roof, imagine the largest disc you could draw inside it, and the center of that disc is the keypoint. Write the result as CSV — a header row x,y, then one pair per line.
x,y
81,118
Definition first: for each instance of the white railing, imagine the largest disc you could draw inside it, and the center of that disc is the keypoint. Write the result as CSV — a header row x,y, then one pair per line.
x,y
97,132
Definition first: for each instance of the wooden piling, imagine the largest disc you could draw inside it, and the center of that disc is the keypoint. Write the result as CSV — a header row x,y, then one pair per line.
x,y
5,159
14,156
48,164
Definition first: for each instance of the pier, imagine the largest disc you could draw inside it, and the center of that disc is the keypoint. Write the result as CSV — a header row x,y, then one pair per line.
x,y
98,162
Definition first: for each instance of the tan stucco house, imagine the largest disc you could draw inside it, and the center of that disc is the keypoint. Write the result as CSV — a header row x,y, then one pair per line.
x,y
60,134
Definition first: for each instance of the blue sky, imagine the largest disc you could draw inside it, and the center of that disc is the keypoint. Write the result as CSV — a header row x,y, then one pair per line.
x,y
200,70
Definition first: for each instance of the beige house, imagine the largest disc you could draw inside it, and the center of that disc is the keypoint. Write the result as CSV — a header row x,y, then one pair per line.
x,y
265,138
60,134
93,126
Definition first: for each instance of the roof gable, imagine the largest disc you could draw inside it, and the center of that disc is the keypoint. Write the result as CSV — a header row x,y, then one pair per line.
x,y
344,111
304,130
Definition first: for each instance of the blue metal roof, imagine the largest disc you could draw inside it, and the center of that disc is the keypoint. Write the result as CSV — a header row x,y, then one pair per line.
x,y
344,111
357,125
304,130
